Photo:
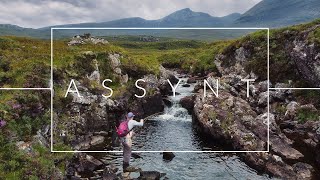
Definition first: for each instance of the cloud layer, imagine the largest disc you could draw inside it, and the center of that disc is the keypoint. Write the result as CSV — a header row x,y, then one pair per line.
x,y
40,13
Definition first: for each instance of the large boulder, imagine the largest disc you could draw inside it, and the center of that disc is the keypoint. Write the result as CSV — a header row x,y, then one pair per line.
x,y
229,119
152,102
191,80
168,75
188,103
82,164
168,156
151,175
281,145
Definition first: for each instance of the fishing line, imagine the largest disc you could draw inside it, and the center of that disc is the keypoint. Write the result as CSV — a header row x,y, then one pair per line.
x,y
226,164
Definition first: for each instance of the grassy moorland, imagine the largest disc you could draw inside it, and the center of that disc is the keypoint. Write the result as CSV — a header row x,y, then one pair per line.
x,y
25,62
26,113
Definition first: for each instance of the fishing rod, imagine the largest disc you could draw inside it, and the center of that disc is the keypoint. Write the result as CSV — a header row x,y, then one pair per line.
x,y
228,167
152,115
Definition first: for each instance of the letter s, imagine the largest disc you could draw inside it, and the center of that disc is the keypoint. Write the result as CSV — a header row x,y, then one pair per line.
x,y
111,91
144,91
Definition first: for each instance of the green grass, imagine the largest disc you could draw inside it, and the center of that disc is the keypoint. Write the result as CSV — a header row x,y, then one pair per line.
x,y
25,113
307,115
197,60
24,62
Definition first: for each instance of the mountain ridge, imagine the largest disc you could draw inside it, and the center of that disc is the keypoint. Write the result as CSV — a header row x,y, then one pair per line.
x,y
266,13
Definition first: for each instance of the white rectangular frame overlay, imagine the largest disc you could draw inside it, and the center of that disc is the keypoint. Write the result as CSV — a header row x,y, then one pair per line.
x,y
230,28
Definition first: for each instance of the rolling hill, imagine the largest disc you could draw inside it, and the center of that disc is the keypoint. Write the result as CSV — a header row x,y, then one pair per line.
x,y
267,13
280,13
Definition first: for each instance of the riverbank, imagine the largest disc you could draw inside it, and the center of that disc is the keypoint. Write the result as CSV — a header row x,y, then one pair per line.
x,y
232,120
174,130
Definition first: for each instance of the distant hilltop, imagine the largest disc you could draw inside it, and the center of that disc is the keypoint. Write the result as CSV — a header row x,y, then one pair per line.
x,y
267,13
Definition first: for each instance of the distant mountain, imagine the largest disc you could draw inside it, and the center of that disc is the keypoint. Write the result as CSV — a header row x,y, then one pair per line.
x,y
267,13
8,29
182,18
279,13
188,18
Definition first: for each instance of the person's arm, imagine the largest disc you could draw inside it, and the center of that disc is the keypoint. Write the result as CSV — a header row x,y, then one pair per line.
x,y
133,123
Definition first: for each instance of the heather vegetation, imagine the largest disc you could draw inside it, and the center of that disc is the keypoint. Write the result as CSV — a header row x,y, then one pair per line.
x,y
25,62
22,155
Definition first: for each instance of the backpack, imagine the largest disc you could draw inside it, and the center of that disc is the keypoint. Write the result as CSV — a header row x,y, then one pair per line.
x,y
123,129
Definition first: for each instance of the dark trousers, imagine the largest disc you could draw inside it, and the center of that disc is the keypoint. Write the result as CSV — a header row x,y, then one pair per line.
x,y
126,143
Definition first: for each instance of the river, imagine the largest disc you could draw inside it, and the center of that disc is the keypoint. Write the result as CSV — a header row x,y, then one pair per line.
x,y
173,131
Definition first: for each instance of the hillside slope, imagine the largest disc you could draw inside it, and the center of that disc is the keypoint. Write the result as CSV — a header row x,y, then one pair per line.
x,y
280,13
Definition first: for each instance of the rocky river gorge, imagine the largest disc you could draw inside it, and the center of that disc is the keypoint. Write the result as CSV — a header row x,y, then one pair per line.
x,y
279,122
182,126
174,130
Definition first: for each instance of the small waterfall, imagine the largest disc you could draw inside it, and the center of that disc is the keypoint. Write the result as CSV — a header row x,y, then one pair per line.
x,y
176,112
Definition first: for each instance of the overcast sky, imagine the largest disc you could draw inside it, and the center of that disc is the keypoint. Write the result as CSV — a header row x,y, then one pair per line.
x,y
40,13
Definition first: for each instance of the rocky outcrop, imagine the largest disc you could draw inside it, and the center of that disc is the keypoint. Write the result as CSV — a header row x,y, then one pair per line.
x,y
188,103
115,65
92,113
306,56
230,119
86,39
82,164
239,122
164,85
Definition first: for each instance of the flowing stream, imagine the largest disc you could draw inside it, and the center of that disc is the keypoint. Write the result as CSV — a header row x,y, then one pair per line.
x,y
173,131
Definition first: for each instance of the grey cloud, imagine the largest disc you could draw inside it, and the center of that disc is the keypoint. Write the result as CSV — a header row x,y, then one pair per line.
x,y
39,13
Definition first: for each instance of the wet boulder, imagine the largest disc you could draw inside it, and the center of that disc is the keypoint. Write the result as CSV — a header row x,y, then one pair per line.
x,y
152,102
148,105
90,163
168,75
109,173
168,156
188,103
167,102
186,85
191,80
151,175
165,88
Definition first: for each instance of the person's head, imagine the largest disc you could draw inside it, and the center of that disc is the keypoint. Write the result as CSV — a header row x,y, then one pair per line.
x,y
130,116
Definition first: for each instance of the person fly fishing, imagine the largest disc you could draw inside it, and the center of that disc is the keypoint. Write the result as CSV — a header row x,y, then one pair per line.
x,y
125,133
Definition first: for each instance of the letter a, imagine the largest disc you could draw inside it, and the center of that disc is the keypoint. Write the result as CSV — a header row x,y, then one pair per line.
x,y
73,91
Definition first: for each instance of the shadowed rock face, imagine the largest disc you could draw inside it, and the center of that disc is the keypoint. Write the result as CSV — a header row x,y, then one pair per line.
x,y
307,57
234,122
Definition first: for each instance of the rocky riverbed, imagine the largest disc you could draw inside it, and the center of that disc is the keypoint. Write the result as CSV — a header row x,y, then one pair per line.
x,y
276,122
242,122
